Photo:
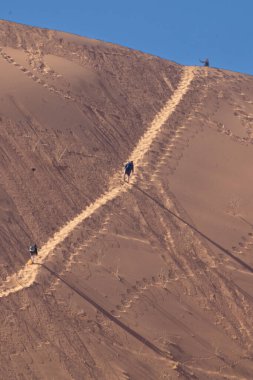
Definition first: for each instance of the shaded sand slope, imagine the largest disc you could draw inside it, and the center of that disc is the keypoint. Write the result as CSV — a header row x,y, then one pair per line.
x,y
150,280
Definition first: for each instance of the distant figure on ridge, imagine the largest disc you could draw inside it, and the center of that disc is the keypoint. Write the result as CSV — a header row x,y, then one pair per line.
x,y
129,168
205,62
33,251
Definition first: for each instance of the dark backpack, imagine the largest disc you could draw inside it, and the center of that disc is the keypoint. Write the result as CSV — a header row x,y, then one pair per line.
x,y
33,248
129,166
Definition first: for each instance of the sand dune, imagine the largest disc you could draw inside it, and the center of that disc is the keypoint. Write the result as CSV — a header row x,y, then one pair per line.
x,y
26,276
146,280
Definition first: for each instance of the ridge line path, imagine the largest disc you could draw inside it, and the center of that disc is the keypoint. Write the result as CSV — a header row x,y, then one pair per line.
x,y
26,276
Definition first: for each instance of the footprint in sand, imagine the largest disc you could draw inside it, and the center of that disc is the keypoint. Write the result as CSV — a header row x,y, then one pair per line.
x,y
32,76
245,244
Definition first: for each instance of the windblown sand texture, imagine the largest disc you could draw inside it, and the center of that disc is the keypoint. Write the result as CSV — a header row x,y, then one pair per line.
x,y
146,280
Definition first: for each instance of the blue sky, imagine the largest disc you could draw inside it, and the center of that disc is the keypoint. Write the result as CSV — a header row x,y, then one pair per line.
x,y
178,30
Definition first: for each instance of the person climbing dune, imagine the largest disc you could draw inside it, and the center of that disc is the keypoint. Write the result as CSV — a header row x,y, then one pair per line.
x,y
33,252
205,62
129,168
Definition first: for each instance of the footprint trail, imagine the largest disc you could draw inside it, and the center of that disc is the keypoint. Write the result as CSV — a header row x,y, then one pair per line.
x,y
26,276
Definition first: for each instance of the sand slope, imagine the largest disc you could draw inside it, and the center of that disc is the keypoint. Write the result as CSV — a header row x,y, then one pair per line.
x,y
147,280
25,277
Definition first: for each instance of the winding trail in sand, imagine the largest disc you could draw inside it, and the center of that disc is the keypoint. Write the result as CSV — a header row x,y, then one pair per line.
x,y
26,276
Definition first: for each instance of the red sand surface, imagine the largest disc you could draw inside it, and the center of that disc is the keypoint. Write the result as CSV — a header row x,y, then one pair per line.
x,y
146,280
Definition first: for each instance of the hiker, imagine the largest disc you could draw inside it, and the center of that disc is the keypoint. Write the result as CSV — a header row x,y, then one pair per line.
x,y
33,251
129,168
205,62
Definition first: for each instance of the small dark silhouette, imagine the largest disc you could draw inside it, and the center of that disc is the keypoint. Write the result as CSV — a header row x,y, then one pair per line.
x,y
205,62
129,168
33,251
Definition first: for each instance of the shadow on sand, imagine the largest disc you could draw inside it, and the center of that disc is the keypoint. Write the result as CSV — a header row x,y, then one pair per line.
x,y
115,320
245,221
217,245
130,331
